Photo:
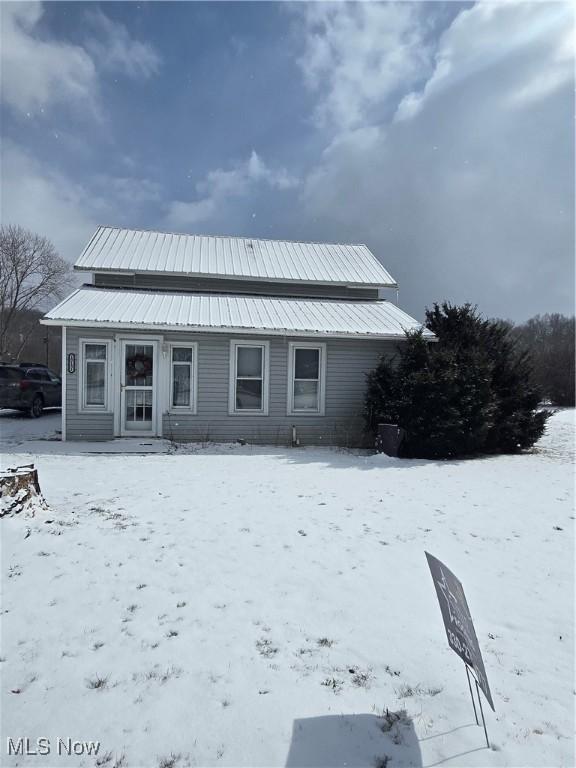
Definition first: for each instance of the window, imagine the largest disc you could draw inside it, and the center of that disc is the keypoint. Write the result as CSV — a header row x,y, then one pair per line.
x,y
248,378
10,375
183,377
95,374
306,378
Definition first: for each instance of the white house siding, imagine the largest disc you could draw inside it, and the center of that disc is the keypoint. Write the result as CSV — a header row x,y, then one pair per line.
x,y
347,362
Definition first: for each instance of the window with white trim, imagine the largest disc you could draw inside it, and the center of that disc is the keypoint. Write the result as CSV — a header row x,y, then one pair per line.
x,y
183,377
306,378
248,377
95,374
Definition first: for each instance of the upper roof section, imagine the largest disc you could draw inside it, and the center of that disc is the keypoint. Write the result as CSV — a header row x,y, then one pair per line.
x,y
240,258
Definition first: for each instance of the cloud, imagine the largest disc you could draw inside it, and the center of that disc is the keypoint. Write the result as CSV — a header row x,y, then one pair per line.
x,y
37,72
470,196
128,190
357,55
117,51
52,203
40,73
221,186
489,35
49,202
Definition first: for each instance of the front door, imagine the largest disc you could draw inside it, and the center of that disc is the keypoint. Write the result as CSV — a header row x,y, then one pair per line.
x,y
138,387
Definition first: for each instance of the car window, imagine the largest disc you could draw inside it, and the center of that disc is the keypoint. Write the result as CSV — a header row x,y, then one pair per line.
x,y
54,377
34,374
9,374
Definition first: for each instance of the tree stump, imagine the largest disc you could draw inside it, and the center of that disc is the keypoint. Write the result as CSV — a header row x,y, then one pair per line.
x,y
20,491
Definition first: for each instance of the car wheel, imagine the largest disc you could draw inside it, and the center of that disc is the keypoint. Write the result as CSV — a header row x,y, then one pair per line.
x,y
36,407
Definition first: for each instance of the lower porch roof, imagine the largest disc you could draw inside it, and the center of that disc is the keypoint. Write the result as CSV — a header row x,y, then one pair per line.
x,y
272,316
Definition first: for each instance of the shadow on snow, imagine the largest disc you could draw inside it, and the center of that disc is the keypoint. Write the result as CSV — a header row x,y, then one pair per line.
x,y
335,741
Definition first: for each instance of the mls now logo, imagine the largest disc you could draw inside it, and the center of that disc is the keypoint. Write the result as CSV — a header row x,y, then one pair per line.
x,y
43,746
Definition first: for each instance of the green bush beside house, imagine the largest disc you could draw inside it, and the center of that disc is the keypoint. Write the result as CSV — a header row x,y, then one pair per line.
x,y
471,392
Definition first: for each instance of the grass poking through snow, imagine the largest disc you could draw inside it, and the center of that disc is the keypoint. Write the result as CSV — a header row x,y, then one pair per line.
x,y
97,683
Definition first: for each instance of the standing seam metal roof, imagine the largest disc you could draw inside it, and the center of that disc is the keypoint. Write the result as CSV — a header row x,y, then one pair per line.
x,y
126,250
219,312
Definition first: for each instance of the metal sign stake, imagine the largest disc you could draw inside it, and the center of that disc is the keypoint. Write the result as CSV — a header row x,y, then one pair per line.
x,y
482,713
460,632
471,693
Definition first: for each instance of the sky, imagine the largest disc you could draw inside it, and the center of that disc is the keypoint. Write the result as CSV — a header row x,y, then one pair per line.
x,y
441,135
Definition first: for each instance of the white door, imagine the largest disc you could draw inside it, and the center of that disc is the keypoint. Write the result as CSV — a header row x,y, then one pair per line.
x,y
138,384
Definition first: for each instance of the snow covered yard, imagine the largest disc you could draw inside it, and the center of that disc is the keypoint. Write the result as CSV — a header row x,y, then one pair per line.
x,y
236,607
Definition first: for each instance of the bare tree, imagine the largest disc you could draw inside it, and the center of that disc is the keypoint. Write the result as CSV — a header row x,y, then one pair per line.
x,y
31,275
551,342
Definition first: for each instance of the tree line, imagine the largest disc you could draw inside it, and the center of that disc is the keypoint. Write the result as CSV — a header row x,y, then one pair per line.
x,y
550,340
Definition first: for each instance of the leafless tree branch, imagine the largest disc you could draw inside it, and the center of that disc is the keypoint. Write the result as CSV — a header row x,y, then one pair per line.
x,y
32,274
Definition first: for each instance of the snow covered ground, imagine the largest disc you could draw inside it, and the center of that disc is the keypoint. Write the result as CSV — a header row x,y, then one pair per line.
x,y
16,427
235,606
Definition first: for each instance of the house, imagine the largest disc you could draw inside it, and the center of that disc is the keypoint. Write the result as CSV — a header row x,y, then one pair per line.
x,y
222,338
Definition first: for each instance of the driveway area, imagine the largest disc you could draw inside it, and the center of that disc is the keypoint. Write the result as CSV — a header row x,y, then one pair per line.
x,y
17,428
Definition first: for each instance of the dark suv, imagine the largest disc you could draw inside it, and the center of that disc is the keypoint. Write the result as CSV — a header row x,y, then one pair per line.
x,y
29,387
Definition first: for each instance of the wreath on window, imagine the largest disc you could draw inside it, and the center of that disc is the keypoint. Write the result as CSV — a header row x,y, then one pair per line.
x,y
138,366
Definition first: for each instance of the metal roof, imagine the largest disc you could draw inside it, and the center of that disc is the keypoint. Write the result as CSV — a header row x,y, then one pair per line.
x,y
99,307
128,250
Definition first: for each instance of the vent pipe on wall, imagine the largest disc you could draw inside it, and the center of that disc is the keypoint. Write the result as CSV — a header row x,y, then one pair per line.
x,y
295,439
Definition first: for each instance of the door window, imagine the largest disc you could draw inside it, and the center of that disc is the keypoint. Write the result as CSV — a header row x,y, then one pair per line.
x,y
139,365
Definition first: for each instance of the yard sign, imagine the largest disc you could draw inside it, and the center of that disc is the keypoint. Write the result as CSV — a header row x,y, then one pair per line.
x,y
458,622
